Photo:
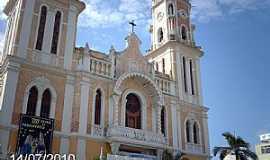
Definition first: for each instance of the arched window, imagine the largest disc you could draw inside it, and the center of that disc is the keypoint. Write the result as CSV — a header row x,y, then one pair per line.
x,y
56,31
133,112
41,28
187,131
170,9
184,33
163,65
98,107
184,74
32,101
46,104
157,66
191,77
163,126
160,35
196,133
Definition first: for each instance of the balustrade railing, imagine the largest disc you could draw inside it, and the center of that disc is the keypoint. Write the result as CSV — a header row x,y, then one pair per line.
x,y
164,85
97,131
99,67
136,134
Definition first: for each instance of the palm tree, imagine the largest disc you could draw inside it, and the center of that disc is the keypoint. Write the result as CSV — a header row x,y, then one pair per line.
x,y
237,146
179,156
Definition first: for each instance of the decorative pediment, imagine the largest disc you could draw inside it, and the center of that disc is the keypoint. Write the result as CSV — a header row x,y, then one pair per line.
x,y
131,59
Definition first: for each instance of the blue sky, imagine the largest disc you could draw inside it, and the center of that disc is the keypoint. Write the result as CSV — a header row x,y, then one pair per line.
x,y
235,36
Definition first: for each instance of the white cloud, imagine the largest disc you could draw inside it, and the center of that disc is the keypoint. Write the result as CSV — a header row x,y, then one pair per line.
x,y
99,13
208,9
2,5
106,13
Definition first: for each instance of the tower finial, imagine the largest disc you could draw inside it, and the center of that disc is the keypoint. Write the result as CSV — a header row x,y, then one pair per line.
x,y
132,23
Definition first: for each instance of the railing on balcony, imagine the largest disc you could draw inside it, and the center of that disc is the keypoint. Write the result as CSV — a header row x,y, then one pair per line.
x,y
194,148
97,131
164,85
136,134
99,67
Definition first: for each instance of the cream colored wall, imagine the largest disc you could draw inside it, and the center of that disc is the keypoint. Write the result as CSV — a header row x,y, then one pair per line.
x,y
26,76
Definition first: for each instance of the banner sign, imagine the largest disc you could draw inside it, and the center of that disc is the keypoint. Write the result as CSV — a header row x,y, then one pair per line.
x,y
35,135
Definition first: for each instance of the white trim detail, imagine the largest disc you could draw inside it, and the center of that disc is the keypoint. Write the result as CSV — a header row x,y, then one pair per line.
x,y
42,84
125,76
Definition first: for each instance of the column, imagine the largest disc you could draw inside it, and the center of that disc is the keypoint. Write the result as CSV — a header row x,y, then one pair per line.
x,y
188,80
81,146
67,114
7,103
26,28
206,134
178,69
198,81
116,111
111,111
174,125
71,32
48,33
180,127
159,107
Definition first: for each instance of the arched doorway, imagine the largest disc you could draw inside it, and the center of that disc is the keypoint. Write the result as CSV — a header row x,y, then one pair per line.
x,y
133,111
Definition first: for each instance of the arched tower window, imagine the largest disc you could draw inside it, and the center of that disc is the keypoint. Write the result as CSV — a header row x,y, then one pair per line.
x,y
46,104
41,28
163,126
157,66
183,33
184,73
170,9
191,77
160,35
98,107
56,31
133,112
187,131
196,133
163,65
32,101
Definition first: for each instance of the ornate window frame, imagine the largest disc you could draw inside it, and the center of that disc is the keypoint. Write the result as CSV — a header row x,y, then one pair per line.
x,y
102,120
192,120
143,107
42,84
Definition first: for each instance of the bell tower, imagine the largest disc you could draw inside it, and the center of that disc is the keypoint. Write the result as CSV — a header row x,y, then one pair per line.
x,y
171,22
173,49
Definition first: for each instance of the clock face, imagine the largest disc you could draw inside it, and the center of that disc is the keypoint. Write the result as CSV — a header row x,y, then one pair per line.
x,y
160,16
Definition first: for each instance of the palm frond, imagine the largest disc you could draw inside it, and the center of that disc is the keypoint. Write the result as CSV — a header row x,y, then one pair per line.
x,y
219,150
231,139
250,154
223,154
240,142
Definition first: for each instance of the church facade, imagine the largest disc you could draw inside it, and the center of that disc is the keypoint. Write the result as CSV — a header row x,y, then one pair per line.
x,y
120,103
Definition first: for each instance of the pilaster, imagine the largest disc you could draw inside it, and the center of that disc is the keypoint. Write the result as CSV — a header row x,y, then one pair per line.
x,y
174,124
71,33
67,113
7,102
116,109
81,144
26,28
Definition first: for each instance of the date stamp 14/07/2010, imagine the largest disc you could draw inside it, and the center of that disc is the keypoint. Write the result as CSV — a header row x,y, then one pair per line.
x,y
43,157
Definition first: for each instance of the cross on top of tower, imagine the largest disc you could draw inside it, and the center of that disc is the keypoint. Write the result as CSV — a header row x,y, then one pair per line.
x,y
132,23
